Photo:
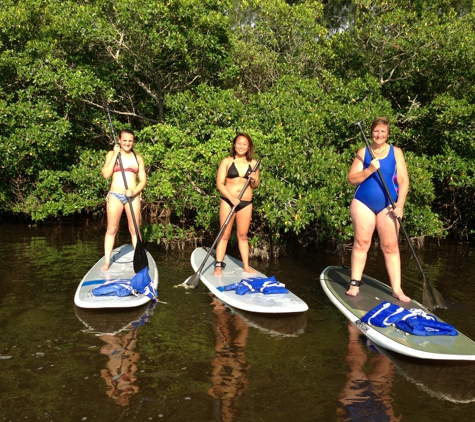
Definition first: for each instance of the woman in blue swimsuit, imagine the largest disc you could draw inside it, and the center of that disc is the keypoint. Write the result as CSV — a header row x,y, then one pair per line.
x,y
371,208
118,197
233,173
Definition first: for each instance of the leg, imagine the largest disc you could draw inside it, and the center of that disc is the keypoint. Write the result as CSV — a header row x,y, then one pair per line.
x,y
243,221
224,210
388,231
114,211
364,223
136,206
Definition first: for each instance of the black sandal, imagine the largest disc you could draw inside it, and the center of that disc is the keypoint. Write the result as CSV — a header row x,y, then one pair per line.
x,y
356,283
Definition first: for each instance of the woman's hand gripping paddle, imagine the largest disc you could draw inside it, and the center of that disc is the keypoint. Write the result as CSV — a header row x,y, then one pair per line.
x,y
192,282
140,255
431,298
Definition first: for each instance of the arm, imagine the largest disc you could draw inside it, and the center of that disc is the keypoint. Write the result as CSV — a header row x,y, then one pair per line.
x,y
402,181
255,176
111,158
357,174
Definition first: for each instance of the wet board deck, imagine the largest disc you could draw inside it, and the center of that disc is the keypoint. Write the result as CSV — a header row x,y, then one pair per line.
x,y
121,268
233,273
335,282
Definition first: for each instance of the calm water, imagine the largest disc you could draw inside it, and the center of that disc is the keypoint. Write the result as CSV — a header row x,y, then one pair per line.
x,y
192,359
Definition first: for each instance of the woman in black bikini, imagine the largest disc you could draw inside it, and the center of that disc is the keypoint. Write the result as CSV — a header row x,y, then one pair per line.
x,y
118,197
233,173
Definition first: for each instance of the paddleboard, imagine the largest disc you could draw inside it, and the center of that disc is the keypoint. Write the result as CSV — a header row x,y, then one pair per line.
x,y
233,273
335,282
121,268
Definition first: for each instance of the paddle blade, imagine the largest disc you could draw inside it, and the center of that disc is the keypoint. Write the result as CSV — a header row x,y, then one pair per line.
x,y
431,298
193,280
140,257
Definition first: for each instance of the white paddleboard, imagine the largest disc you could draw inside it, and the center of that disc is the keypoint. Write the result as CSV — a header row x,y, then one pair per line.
x,y
121,268
336,281
233,273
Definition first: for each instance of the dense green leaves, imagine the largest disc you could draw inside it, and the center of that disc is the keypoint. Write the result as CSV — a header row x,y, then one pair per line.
x,y
186,75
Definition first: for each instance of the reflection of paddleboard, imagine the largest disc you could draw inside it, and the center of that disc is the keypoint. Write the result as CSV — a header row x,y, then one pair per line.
x,y
120,268
233,273
335,282
113,321
451,381
275,325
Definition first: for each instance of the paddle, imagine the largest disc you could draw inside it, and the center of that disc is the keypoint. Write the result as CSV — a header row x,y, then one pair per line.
x,y
193,281
431,298
140,255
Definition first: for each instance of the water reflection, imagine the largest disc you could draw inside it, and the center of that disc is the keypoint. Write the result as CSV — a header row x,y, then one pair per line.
x,y
229,367
119,330
275,325
121,367
446,380
366,394
297,378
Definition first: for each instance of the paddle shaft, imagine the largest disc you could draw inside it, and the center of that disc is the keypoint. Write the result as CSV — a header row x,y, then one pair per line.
x,y
129,199
392,202
228,218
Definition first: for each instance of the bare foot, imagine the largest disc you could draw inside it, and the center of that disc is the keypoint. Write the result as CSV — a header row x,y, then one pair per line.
x,y
402,297
218,271
353,291
105,267
249,270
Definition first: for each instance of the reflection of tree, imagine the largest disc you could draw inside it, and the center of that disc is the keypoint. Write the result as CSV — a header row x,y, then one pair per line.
x,y
229,367
366,395
121,367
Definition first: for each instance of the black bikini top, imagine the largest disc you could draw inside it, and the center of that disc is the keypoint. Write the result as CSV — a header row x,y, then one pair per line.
x,y
233,172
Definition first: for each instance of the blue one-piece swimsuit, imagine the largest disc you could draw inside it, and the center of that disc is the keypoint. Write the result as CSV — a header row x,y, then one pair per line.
x,y
371,192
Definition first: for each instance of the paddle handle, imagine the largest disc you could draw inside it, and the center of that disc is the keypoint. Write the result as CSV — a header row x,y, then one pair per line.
x,y
391,200
228,218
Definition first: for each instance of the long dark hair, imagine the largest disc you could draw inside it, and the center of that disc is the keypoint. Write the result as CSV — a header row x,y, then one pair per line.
x,y
250,151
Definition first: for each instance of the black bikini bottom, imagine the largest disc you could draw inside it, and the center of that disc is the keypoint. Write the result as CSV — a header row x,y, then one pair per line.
x,y
240,206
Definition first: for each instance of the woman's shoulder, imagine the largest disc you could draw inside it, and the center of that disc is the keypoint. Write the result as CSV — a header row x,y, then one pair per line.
x,y
397,151
227,160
